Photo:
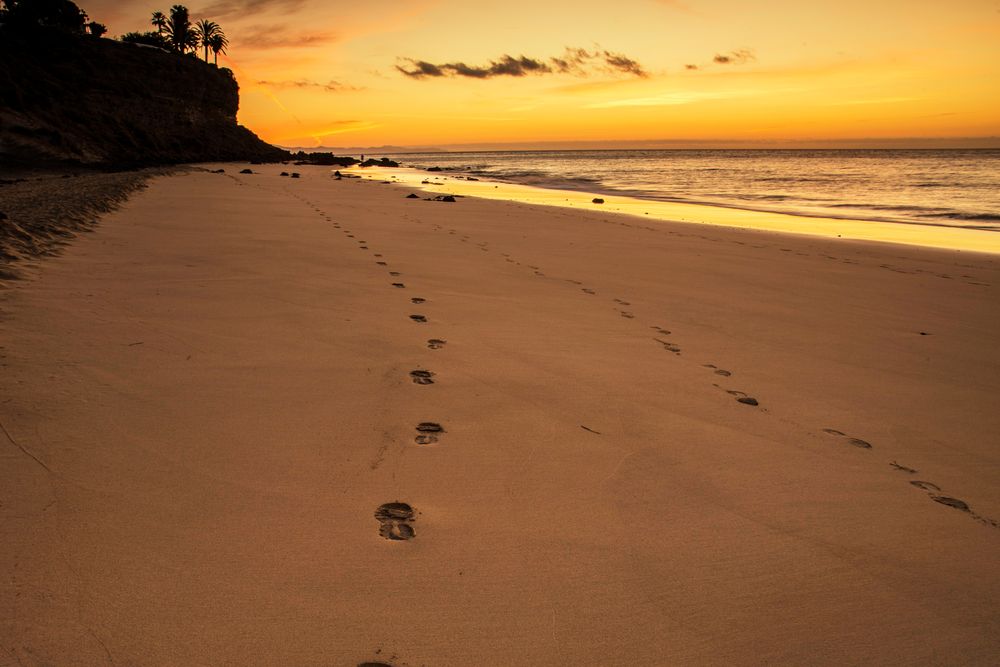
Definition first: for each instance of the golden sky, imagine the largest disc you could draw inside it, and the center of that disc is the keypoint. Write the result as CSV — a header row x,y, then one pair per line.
x,y
543,72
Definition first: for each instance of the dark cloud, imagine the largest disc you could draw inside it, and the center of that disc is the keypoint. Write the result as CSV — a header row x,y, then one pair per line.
x,y
577,61
689,66
280,36
222,9
330,86
738,57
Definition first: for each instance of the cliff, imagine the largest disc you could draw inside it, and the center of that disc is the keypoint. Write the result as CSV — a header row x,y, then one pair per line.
x,y
82,100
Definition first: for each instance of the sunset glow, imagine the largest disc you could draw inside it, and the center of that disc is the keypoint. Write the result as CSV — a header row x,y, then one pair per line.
x,y
522,73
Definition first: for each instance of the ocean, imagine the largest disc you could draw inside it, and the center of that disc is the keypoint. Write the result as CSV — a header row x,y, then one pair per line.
x,y
953,188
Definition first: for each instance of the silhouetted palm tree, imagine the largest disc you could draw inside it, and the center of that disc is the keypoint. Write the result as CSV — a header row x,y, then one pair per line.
x,y
218,44
205,30
159,21
179,30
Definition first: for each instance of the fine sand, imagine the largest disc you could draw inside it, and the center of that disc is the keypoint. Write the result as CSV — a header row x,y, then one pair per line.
x,y
207,402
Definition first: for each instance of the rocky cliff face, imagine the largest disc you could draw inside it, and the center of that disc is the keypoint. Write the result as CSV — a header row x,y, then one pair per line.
x,y
83,100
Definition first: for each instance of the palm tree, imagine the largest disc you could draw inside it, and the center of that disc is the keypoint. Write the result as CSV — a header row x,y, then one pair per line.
x,y
179,31
159,21
218,43
206,30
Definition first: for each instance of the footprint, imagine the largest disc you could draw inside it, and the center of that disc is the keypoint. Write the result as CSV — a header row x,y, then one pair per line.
x,y
394,273
436,343
382,263
627,315
665,332
398,285
622,302
417,299
670,347
418,318
925,486
951,502
857,442
427,433
394,521
903,468
718,371
741,397
588,290
422,377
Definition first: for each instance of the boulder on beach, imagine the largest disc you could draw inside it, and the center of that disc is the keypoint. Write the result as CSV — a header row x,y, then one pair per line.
x,y
295,174
412,196
246,171
446,198
284,173
597,200
434,169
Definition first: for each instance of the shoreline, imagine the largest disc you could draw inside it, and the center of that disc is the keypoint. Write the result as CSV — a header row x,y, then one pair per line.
x,y
932,235
656,443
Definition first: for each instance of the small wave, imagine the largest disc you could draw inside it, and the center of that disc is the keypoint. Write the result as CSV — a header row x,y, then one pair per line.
x,y
960,215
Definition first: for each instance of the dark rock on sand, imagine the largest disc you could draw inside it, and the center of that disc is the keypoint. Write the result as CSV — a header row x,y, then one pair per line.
x,y
412,196
447,198
383,162
246,171
597,200
295,174
435,169
284,173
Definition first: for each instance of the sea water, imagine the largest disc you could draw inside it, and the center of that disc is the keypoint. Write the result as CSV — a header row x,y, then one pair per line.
x,y
952,188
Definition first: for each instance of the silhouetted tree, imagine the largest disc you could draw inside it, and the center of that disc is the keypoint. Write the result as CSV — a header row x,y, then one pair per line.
x,y
61,14
159,21
97,29
218,44
179,30
206,30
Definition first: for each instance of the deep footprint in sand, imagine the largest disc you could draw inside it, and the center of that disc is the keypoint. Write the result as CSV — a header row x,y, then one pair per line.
x,y
427,433
902,468
951,502
588,290
394,273
436,343
394,521
382,263
398,285
742,397
718,371
422,377
627,315
417,300
418,318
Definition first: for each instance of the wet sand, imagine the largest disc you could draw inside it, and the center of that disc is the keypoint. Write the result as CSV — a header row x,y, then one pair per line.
x,y
258,420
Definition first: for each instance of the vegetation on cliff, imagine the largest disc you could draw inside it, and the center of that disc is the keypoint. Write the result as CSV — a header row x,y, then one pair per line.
x,y
67,96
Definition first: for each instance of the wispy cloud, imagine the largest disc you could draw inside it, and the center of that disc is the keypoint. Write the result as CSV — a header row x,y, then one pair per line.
x,y
281,36
223,9
330,86
737,57
575,61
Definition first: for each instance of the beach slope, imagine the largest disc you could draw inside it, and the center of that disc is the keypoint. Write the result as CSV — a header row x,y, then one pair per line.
x,y
629,442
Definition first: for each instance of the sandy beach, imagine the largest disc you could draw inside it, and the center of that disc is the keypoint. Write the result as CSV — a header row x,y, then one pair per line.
x,y
645,443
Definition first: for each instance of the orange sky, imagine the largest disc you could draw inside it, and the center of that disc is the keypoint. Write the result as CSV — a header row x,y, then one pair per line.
x,y
322,72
